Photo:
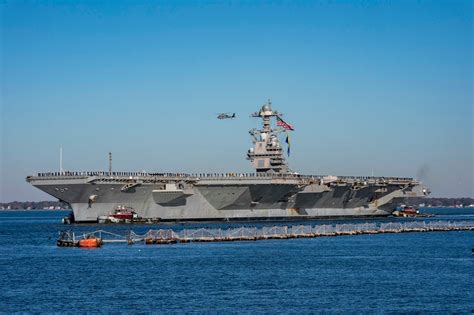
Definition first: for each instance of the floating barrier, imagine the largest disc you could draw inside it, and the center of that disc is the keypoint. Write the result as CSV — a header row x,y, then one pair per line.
x,y
170,236
94,239
66,239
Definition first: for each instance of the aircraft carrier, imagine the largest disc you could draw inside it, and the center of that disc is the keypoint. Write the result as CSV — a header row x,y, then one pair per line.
x,y
271,192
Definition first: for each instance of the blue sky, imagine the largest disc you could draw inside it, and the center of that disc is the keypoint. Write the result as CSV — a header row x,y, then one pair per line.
x,y
370,86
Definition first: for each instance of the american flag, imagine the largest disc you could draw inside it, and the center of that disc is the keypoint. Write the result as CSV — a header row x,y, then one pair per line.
x,y
284,124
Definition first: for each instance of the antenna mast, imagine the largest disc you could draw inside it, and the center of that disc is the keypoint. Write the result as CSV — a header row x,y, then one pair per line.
x,y
110,162
61,160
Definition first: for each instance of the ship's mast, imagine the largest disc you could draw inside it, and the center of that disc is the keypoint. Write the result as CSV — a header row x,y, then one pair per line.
x,y
267,154
61,160
110,162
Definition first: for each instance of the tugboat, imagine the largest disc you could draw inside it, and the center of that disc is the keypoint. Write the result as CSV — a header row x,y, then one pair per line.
x,y
124,213
121,214
409,211
406,211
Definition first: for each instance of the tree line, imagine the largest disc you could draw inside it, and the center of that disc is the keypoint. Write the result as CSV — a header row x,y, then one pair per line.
x,y
34,205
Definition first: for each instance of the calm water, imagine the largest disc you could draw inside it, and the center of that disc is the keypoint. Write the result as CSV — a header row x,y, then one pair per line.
x,y
375,273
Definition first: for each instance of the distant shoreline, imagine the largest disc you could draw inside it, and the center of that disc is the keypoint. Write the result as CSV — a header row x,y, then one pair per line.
x,y
34,205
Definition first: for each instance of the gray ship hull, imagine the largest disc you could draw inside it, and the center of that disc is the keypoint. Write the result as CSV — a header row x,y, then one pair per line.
x,y
225,197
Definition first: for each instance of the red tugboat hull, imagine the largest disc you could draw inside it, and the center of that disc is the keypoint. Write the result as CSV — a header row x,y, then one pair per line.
x,y
123,216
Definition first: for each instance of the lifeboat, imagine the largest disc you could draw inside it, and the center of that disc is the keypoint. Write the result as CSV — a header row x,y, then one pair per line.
x,y
92,242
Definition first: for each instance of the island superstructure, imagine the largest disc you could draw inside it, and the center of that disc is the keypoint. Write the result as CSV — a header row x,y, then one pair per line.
x,y
272,192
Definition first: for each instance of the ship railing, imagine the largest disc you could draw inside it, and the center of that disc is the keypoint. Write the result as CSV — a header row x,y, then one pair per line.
x,y
221,176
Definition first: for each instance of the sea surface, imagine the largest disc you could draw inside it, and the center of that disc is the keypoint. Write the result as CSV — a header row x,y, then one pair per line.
x,y
398,273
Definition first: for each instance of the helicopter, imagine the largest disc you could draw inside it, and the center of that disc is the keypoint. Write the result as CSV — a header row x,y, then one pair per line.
x,y
226,116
